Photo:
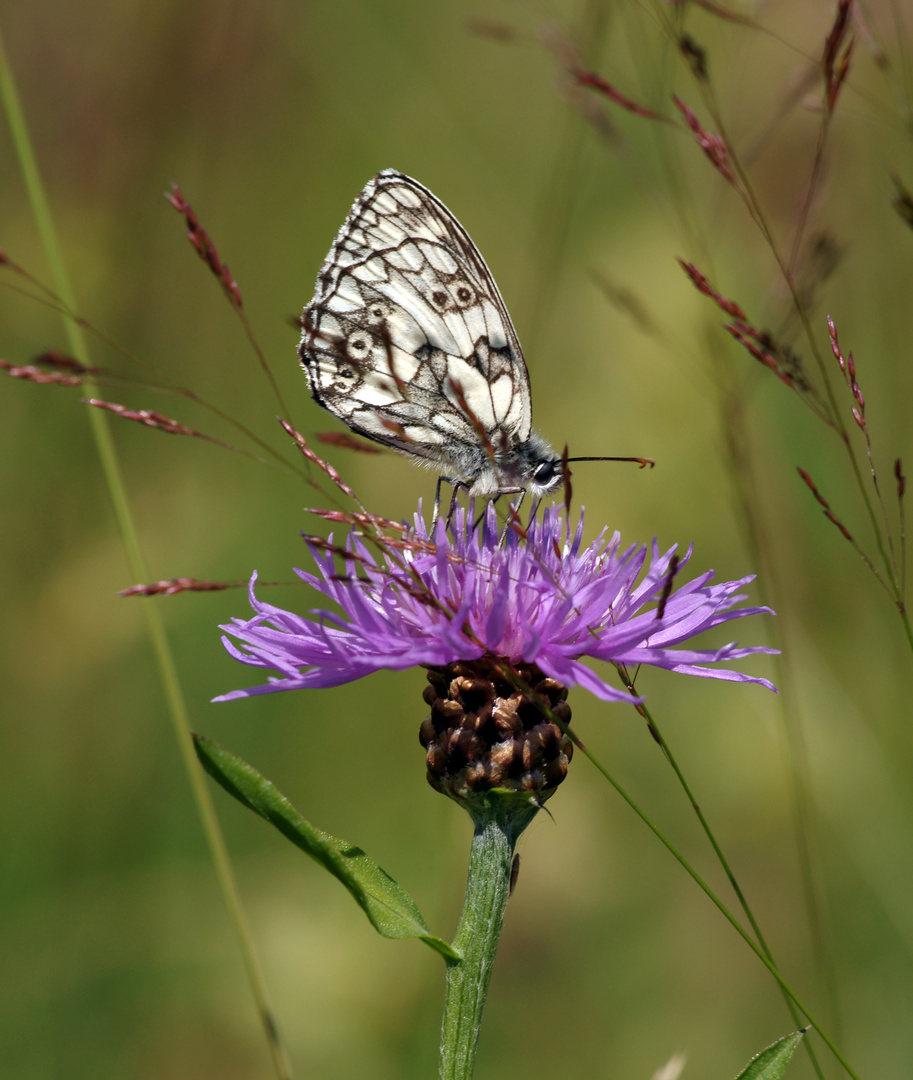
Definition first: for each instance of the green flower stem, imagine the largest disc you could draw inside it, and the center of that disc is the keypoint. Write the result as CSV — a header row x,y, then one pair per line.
x,y
167,670
499,819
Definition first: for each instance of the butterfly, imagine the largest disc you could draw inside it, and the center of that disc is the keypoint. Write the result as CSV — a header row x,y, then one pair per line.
x,y
408,341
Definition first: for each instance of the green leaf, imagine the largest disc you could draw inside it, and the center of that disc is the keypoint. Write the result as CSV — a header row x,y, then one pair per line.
x,y
392,911
771,1063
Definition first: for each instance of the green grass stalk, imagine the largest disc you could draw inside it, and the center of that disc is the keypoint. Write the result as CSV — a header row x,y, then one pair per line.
x,y
718,903
177,708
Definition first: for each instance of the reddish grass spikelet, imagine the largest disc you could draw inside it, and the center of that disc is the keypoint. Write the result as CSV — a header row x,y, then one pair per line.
x,y
324,466
776,356
57,361
785,363
828,513
814,490
362,519
205,248
835,345
147,417
457,387
516,525
53,367
836,34
712,145
32,373
172,586
834,521
589,78
462,401
347,442
391,366
394,427
848,367
391,547
322,544
894,582
700,282
834,64
408,542
748,336
379,528
694,54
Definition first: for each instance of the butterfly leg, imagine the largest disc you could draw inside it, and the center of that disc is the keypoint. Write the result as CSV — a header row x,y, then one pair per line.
x,y
454,502
436,513
457,484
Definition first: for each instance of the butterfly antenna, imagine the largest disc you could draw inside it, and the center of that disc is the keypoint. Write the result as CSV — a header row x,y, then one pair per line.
x,y
643,462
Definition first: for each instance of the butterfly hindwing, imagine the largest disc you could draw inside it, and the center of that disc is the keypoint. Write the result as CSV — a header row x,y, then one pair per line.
x,y
407,339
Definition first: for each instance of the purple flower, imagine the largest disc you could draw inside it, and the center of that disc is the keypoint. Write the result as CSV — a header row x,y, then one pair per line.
x,y
534,597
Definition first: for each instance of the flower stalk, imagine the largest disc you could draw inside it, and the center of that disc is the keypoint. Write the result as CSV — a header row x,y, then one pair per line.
x,y
500,817
501,622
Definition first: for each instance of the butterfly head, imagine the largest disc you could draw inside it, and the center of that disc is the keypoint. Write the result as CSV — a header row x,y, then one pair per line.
x,y
543,467
530,466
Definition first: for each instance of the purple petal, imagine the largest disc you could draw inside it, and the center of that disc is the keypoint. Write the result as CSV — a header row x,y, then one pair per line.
x,y
543,599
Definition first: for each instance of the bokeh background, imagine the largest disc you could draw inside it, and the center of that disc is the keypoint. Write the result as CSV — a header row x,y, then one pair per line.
x,y
118,958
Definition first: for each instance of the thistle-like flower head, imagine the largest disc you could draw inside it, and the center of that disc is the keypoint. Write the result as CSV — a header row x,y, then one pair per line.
x,y
524,596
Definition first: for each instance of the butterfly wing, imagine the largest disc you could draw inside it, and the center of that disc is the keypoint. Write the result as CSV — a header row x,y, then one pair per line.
x,y
407,339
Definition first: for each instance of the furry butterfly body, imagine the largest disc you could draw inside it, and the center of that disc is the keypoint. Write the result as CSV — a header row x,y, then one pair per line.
x,y
408,341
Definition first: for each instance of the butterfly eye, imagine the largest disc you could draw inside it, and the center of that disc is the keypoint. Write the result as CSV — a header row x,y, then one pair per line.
x,y
547,473
464,295
440,298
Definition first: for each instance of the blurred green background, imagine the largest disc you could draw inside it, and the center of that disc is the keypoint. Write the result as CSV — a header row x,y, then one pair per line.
x,y
118,958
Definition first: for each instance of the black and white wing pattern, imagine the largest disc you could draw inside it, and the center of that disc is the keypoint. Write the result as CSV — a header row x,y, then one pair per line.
x,y
408,341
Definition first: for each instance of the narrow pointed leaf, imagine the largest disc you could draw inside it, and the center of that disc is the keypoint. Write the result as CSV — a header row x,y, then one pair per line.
x,y
771,1063
392,912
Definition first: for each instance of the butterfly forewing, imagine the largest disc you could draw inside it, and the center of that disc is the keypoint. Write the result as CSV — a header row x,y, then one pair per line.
x,y
408,341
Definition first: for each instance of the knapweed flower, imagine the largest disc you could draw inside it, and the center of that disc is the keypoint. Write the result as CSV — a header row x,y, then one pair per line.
x,y
502,621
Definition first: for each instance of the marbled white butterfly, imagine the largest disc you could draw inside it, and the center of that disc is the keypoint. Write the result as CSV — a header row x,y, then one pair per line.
x,y
408,341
